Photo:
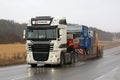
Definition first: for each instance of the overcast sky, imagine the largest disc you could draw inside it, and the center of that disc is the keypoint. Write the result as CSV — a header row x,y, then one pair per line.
x,y
102,14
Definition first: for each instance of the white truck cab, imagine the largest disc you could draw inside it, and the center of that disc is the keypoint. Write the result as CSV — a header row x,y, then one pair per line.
x,y
45,40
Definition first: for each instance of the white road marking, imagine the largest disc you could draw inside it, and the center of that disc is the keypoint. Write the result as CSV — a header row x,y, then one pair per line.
x,y
103,77
100,78
2,69
20,78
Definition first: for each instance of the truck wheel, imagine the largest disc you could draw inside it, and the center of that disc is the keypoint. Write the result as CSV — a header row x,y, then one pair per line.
x,y
72,59
75,58
33,65
62,60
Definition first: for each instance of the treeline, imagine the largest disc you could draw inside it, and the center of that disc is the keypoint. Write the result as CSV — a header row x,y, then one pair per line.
x,y
103,35
117,35
12,32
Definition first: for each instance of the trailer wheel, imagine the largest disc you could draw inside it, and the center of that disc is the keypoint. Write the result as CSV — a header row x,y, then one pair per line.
x,y
101,55
33,65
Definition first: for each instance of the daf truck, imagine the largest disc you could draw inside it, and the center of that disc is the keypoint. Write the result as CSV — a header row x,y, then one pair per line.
x,y
50,40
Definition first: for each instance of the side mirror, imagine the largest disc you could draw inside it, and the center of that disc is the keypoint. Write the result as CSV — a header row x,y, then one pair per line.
x,y
60,34
63,21
24,34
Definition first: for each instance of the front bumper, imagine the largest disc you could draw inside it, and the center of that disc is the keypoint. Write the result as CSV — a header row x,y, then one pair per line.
x,y
54,58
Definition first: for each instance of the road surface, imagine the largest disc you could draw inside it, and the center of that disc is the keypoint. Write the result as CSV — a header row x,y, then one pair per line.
x,y
106,68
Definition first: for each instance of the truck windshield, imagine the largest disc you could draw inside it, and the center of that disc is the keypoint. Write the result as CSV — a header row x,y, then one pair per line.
x,y
42,33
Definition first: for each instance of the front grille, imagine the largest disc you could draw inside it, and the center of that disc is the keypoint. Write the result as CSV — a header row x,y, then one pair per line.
x,y
40,51
40,47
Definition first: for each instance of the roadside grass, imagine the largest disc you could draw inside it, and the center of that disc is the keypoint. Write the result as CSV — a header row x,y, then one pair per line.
x,y
109,44
12,54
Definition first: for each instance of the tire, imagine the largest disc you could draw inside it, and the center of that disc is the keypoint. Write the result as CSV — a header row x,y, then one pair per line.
x,y
101,55
62,60
33,65
75,58
72,60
